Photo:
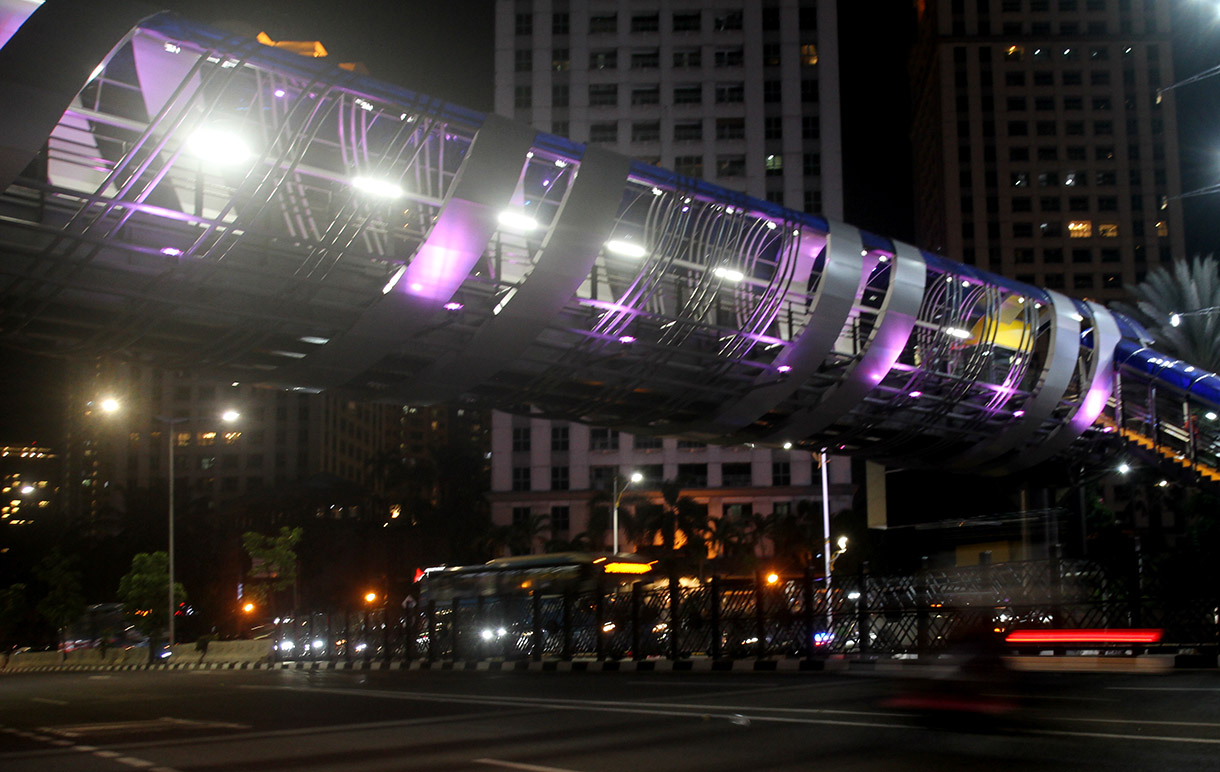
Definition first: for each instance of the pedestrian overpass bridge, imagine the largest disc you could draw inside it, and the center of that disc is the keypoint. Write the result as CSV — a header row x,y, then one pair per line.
x,y
193,199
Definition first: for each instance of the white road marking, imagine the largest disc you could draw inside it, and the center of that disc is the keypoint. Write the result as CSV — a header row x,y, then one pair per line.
x,y
163,724
632,708
1162,689
1139,738
515,765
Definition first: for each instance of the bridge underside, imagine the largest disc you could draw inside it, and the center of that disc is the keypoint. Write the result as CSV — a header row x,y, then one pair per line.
x,y
191,199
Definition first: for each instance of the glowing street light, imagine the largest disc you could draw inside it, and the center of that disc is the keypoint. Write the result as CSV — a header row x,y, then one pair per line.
x,y
370,597
618,496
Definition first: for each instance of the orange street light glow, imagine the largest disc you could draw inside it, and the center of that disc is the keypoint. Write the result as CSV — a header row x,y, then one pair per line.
x,y
370,597
772,578
249,607
1085,636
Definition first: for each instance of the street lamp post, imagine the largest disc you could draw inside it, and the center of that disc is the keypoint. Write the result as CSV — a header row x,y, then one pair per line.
x,y
618,496
228,416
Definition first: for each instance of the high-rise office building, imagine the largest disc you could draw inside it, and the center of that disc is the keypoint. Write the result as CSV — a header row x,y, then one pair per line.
x,y
742,94
1042,150
277,438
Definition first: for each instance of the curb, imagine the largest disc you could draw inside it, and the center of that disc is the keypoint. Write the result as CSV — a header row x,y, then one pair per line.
x,y
1148,663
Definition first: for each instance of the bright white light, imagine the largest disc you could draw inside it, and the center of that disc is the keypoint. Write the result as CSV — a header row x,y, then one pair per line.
x,y
27,489
842,542
637,477
486,635
1163,484
318,644
110,405
377,187
853,595
501,632
1124,468
915,394
957,332
230,415
393,282
626,248
1209,415
517,221
626,339
314,339
784,369
171,251
787,446
771,226
287,646
729,274
1175,319
219,146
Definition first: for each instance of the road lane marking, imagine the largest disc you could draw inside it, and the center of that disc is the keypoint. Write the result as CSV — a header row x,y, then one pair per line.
x,y
92,750
516,765
1133,737
1210,724
1163,689
644,709
163,724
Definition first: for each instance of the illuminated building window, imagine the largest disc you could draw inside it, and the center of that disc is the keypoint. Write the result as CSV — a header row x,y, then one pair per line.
x,y
1014,53
1080,229
231,437
809,54
207,438
1162,228
1108,230
774,164
182,439
133,438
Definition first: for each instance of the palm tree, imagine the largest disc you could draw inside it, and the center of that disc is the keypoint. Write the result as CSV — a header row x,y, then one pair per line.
x,y
676,528
1182,288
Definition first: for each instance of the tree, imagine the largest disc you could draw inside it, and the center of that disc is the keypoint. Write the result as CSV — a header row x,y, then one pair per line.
x,y
1181,288
676,528
273,563
14,613
64,601
144,591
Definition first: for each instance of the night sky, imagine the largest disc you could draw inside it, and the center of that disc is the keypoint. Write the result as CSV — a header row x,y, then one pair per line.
x,y
445,49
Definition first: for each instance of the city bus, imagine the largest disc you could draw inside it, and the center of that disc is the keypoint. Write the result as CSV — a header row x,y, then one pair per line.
x,y
555,573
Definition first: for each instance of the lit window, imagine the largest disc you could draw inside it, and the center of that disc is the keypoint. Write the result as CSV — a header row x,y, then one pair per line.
x,y
1080,229
1108,230
1162,228
1014,53
774,163
207,438
231,437
809,54
183,439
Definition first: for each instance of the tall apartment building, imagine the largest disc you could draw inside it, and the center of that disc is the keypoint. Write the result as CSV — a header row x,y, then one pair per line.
x,y
742,93
1042,151
278,437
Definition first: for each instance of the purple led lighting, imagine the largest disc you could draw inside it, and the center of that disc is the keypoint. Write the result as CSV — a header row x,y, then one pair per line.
x,y
279,92
626,339
171,251
784,368
1018,413
454,306
546,183
915,394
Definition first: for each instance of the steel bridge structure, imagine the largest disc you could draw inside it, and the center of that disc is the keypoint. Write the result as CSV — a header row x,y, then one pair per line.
x,y
193,199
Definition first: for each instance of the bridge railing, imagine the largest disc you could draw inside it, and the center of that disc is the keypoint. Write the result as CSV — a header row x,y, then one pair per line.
x,y
858,615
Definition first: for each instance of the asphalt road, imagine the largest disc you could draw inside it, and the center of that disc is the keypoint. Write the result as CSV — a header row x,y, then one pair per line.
x,y
301,721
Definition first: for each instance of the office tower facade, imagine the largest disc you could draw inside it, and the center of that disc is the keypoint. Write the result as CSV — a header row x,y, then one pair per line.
x,y
562,471
277,438
1042,149
742,94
